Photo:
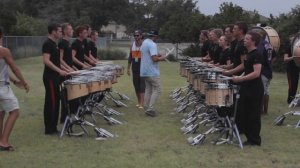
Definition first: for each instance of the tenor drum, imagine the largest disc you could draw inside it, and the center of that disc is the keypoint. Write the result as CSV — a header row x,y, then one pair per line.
x,y
219,94
270,35
76,88
96,84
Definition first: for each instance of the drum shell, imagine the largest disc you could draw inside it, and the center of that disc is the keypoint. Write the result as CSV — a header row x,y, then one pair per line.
x,y
96,86
108,84
76,90
219,95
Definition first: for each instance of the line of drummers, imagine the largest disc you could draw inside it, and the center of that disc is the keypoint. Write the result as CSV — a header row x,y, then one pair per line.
x,y
77,64
234,62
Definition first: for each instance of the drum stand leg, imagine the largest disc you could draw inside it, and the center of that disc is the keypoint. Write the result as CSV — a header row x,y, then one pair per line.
x,y
234,130
280,119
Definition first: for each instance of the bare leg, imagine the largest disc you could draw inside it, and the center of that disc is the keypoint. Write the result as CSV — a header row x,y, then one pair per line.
x,y
138,97
141,101
9,124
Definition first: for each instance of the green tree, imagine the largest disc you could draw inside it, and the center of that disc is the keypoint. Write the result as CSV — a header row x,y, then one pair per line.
x,y
230,13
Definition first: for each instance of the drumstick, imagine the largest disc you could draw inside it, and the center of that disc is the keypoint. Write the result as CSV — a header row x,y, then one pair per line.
x,y
168,53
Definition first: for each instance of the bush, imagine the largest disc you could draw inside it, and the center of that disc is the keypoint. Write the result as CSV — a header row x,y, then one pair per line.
x,y
279,65
109,54
192,51
172,58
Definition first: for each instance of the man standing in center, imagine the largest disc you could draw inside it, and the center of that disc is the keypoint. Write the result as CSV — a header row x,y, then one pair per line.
x,y
150,72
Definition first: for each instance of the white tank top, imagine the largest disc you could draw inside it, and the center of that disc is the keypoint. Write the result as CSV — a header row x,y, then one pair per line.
x,y
4,76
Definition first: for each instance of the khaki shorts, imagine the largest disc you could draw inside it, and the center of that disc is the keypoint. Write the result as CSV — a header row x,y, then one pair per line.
x,y
8,101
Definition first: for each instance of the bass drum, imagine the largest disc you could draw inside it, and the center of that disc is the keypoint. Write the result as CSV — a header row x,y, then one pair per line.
x,y
296,50
270,35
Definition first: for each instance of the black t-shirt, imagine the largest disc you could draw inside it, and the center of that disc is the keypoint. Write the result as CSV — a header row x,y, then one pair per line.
x,y
224,56
214,52
205,48
287,49
135,63
78,46
66,47
51,48
87,46
239,50
252,58
93,49
268,53
232,48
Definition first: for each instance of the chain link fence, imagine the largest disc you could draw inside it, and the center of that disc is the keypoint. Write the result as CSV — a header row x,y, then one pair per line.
x,y
29,46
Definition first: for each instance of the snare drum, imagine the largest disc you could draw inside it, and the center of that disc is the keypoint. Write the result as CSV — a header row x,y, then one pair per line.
x,y
76,88
219,94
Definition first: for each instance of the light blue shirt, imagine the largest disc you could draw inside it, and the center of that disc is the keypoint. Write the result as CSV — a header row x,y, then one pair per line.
x,y
149,68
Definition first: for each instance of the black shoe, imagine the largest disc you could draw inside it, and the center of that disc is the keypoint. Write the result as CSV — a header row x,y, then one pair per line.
x,y
249,143
150,113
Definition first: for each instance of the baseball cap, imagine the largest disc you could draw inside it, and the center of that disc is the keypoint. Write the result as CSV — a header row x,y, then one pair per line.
x,y
153,33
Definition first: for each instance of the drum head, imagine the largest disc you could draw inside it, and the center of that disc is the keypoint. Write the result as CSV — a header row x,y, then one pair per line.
x,y
270,35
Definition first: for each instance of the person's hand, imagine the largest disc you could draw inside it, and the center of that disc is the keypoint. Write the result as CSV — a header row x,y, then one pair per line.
x,y
87,67
128,72
22,85
63,73
226,73
237,79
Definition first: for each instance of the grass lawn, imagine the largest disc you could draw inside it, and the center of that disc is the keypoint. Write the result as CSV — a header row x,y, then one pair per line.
x,y
144,142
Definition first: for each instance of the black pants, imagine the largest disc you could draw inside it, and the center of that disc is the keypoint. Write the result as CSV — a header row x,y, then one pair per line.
x,y
249,112
64,105
138,83
52,104
293,78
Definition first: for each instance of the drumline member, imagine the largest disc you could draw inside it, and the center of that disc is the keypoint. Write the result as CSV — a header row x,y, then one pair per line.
x,y
269,54
65,49
236,67
238,54
291,69
51,78
224,56
251,89
203,39
78,49
92,44
66,63
87,46
8,102
214,49
228,32
134,63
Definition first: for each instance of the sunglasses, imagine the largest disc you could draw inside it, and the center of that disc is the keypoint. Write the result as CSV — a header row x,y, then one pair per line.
x,y
136,35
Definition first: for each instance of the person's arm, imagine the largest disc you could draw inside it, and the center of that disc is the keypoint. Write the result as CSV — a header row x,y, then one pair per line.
x,y
89,60
6,54
64,65
255,74
286,58
237,69
92,57
129,63
49,64
76,61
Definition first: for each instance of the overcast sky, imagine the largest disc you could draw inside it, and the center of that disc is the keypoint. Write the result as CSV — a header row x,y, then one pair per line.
x,y
264,7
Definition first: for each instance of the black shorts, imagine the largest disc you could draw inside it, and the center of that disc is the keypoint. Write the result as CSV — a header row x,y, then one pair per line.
x,y
138,83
